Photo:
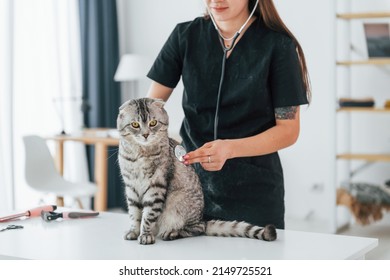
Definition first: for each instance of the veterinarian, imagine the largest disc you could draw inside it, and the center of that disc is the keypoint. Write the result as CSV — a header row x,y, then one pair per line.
x,y
244,76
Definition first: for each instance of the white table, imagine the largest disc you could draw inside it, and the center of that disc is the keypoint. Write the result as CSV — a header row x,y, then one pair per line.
x,y
102,238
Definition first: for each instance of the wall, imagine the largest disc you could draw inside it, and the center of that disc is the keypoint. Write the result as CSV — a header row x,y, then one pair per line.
x,y
309,165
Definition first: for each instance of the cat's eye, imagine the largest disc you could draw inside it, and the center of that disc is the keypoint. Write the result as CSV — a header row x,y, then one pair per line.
x,y
152,123
135,125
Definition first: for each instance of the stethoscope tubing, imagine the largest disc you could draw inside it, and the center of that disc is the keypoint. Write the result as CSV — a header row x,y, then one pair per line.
x,y
225,52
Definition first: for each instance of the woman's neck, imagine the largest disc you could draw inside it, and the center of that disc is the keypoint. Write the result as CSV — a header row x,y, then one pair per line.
x,y
228,28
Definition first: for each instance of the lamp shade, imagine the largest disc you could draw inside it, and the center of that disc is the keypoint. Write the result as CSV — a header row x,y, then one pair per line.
x,y
132,67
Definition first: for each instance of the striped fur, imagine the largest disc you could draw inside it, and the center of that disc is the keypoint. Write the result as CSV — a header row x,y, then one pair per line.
x,y
164,196
240,229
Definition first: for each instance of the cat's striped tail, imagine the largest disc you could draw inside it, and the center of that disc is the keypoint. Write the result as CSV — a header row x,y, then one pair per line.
x,y
240,229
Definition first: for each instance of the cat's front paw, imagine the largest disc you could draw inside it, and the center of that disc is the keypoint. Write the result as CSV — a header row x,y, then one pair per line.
x,y
171,235
131,235
146,239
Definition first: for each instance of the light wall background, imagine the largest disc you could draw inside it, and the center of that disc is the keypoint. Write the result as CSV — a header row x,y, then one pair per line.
x,y
311,171
309,166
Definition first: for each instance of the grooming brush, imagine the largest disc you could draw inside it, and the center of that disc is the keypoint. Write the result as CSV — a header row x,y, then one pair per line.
x,y
51,216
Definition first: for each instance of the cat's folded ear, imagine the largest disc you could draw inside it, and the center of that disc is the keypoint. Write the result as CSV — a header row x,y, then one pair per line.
x,y
124,105
158,102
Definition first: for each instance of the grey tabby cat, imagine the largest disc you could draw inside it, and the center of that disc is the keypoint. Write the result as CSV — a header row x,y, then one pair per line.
x,y
164,196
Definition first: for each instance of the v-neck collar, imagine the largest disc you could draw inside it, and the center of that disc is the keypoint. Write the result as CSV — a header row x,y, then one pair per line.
x,y
216,39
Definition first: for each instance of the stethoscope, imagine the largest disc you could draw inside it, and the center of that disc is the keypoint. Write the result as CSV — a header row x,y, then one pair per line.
x,y
225,52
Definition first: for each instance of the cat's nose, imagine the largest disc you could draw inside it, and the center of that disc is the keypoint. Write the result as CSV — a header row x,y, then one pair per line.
x,y
145,135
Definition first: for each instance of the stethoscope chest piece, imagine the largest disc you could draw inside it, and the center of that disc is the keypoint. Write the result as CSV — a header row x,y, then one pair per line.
x,y
180,152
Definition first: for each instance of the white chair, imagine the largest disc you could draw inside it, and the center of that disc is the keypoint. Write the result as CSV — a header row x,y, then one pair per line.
x,y
42,175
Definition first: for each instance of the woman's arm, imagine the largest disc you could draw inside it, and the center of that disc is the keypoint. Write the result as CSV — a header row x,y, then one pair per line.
x,y
283,134
159,91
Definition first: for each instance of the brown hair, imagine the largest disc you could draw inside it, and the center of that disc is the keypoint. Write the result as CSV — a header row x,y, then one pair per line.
x,y
270,16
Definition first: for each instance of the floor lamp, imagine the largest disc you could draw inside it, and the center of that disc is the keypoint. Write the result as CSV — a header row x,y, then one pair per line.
x,y
132,68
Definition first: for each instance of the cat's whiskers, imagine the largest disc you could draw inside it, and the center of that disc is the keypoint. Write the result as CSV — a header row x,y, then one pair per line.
x,y
116,150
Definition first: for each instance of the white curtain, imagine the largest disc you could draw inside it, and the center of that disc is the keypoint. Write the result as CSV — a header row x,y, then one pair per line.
x,y
46,87
6,197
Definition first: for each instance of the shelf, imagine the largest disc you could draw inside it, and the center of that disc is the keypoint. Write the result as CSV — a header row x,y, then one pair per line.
x,y
372,61
365,157
350,26
364,109
349,16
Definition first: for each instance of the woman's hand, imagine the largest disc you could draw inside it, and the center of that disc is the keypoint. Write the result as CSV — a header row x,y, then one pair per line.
x,y
211,156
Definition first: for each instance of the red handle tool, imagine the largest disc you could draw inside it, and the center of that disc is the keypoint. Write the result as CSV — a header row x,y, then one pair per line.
x,y
35,212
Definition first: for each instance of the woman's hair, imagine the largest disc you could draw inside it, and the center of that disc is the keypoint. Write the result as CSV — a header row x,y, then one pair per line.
x,y
270,16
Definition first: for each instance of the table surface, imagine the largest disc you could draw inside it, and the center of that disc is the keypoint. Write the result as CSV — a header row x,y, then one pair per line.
x,y
89,139
102,238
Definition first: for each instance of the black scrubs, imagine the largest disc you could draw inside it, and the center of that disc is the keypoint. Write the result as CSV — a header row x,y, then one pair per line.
x,y
262,73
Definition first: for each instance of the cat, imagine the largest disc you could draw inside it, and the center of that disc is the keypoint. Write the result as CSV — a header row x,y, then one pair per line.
x,y
164,196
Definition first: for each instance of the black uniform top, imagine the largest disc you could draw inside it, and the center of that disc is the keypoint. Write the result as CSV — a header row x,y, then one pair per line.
x,y
262,73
